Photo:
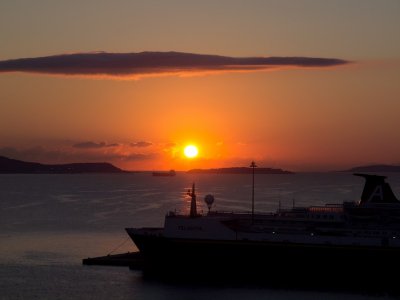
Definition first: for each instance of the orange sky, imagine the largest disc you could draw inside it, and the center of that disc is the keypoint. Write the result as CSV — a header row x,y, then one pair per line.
x,y
298,119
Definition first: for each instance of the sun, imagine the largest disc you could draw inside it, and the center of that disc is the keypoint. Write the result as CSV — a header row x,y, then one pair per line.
x,y
190,151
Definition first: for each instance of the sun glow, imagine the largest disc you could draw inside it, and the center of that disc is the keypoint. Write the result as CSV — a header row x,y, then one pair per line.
x,y
190,151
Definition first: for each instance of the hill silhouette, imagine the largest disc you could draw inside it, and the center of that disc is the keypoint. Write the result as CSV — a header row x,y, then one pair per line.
x,y
13,166
375,168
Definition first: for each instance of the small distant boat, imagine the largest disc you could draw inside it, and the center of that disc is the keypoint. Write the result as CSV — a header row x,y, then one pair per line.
x,y
165,173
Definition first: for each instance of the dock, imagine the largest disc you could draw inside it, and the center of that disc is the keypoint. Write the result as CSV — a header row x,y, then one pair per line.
x,y
133,260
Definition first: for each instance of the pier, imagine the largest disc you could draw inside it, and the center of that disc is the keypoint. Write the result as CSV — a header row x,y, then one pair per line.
x,y
133,260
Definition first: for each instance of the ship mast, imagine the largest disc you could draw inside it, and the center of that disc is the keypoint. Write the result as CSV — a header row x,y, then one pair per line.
x,y
252,165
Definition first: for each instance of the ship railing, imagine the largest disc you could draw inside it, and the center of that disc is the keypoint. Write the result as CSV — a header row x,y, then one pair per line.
x,y
181,213
326,209
334,205
241,213
295,209
175,213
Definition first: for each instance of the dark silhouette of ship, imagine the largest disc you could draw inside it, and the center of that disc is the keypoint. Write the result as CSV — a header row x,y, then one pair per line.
x,y
164,173
347,243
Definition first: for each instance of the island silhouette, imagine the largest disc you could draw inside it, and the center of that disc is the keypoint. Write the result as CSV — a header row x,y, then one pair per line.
x,y
375,168
11,166
14,166
240,170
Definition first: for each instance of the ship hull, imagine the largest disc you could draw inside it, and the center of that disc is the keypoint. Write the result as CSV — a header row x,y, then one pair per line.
x,y
271,262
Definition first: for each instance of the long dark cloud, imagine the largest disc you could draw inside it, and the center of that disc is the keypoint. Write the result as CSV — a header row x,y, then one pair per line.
x,y
89,145
154,63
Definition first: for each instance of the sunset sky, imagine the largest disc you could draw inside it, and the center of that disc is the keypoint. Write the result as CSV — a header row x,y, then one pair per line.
x,y
91,95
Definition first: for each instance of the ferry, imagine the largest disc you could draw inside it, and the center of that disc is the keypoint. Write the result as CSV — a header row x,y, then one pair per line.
x,y
353,240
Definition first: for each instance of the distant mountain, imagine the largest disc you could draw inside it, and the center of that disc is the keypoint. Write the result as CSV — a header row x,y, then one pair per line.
x,y
375,168
240,170
8,165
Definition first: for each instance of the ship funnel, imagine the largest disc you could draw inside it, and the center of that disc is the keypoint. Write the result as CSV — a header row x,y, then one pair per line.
x,y
193,205
376,190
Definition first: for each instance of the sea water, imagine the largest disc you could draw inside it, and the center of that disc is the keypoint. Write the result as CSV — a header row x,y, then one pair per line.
x,y
49,223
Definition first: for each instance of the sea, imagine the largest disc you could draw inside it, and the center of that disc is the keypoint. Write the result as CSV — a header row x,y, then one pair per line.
x,y
49,223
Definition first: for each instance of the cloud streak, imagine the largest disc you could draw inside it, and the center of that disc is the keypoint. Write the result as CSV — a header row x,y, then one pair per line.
x,y
48,155
155,63
93,145
141,144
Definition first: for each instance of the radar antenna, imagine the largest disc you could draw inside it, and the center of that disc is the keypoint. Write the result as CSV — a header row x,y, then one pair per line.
x,y
209,200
